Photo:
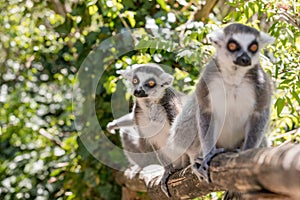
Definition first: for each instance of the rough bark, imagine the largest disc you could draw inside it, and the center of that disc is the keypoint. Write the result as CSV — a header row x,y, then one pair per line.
x,y
265,173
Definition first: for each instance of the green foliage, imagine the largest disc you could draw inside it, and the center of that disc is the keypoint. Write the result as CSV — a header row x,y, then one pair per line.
x,y
44,43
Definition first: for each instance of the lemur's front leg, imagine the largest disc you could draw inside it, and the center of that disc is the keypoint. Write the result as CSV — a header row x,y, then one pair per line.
x,y
208,138
255,130
124,121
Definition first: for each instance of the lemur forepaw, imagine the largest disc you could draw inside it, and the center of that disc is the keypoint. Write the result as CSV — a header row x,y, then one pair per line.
x,y
132,171
153,182
151,175
183,171
203,164
199,171
111,126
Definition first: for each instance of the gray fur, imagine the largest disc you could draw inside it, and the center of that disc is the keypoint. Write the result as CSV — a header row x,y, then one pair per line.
x,y
257,119
240,28
183,146
136,148
152,114
251,77
151,68
230,107
247,80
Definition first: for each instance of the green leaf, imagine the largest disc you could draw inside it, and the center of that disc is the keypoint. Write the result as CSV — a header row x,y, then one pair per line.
x,y
130,16
290,33
296,96
291,106
230,16
246,10
143,44
163,5
280,103
153,47
93,9
286,83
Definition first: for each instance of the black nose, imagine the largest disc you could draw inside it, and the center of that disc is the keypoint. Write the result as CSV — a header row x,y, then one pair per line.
x,y
243,60
139,93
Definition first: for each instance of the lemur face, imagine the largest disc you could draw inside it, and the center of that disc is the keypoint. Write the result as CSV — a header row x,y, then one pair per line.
x,y
148,81
242,49
144,84
239,45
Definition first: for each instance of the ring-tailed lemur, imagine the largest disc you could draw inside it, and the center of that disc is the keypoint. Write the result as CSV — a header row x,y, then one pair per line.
x,y
230,106
155,108
234,93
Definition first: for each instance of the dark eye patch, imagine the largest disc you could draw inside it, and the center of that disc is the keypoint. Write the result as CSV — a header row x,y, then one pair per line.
x,y
232,45
253,47
135,80
151,83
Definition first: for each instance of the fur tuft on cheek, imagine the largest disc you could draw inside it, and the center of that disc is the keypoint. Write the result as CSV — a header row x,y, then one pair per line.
x,y
216,37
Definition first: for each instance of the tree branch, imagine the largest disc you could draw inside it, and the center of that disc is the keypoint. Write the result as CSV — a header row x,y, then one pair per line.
x,y
58,7
265,173
203,13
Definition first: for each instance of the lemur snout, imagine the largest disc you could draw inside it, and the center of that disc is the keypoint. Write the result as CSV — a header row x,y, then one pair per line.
x,y
243,60
139,93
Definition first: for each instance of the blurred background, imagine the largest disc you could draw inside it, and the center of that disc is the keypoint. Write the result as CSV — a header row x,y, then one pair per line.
x,y
44,43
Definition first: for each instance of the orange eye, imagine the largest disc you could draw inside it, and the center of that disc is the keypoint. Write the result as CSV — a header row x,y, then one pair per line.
x,y
151,83
253,47
232,46
135,81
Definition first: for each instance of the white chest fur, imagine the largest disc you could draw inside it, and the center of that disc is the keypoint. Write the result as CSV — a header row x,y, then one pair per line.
x,y
153,123
232,101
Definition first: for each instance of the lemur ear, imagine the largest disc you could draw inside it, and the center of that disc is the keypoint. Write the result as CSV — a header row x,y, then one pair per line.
x,y
126,73
216,37
167,79
265,39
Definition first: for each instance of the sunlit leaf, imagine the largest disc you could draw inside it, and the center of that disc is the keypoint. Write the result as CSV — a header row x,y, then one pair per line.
x,y
280,103
163,5
93,9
